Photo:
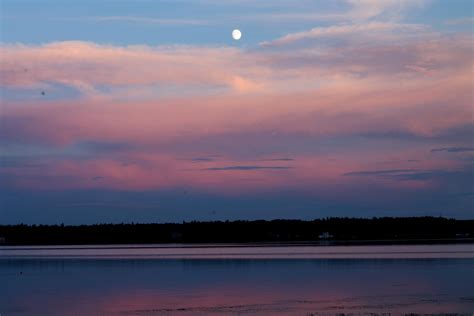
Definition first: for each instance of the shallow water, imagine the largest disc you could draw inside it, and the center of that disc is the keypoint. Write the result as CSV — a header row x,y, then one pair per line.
x,y
241,251
202,280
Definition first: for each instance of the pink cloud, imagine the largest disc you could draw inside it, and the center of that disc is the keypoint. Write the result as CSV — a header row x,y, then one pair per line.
x,y
421,106
85,65
420,86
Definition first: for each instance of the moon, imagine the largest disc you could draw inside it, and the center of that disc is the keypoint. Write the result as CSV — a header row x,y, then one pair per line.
x,y
236,34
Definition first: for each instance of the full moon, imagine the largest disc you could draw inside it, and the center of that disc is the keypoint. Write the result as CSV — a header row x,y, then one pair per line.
x,y
236,34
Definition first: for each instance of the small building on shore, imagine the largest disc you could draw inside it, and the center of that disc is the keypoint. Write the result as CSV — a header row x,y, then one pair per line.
x,y
325,235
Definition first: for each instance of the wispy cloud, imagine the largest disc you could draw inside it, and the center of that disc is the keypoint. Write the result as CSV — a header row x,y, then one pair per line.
x,y
137,19
416,175
364,29
202,159
386,9
345,10
246,168
366,18
461,21
277,159
453,149
199,159
380,172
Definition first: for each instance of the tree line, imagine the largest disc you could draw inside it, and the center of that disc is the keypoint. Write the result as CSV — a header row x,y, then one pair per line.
x,y
391,229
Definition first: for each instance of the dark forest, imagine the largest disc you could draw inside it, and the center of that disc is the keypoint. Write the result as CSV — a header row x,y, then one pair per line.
x,y
332,230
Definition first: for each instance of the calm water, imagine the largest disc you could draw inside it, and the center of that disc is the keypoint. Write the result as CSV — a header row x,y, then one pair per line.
x,y
265,280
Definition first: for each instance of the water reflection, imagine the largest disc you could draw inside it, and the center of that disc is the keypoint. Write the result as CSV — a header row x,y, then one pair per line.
x,y
189,287
242,252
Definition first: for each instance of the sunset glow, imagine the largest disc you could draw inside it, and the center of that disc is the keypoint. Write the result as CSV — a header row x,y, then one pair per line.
x,y
342,108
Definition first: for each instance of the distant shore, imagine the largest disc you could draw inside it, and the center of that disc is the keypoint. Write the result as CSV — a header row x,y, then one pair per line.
x,y
328,231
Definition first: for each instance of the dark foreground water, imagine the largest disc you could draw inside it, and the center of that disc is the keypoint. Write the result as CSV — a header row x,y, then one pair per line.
x,y
134,280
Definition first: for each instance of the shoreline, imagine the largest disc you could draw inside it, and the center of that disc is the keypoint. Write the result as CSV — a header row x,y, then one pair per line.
x,y
217,244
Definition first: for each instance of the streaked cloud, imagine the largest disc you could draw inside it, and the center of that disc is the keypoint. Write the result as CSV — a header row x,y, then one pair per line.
x,y
460,21
247,168
453,149
202,159
419,175
380,172
137,19
386,9
335,31
277,159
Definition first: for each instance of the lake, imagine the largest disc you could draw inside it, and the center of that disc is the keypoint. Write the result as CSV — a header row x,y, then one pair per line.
x,y
236,279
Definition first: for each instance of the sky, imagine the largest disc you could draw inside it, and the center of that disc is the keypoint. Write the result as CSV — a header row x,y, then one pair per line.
x,y
148,111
